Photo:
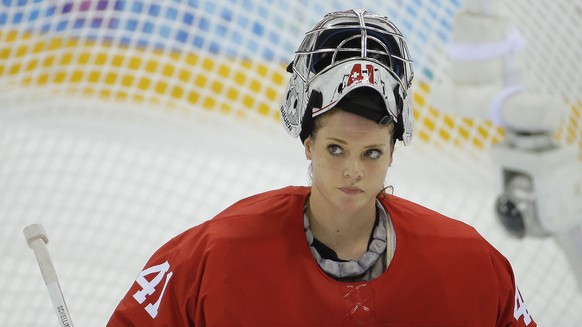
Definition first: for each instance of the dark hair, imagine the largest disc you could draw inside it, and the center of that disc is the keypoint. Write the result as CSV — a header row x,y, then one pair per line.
x,y
365,102
319,122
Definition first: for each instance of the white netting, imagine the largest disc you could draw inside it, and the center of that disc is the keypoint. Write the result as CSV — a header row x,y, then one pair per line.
x,y
123,123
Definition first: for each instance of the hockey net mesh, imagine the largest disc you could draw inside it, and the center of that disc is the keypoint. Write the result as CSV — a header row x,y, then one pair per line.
x,y
122,123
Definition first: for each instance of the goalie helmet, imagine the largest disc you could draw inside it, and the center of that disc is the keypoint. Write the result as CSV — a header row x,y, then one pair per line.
x,y
345,51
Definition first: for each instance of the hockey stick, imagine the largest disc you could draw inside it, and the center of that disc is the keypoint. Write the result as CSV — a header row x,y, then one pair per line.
x,y
37,239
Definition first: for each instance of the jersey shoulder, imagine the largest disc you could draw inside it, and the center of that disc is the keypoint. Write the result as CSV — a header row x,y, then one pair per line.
x,y
437,230
254,217
412,214
270,203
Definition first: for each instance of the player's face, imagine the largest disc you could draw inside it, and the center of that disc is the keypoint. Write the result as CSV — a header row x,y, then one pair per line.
x,y
350,157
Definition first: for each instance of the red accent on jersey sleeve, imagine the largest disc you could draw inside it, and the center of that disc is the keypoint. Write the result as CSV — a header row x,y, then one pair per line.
x,y
165,292
512,308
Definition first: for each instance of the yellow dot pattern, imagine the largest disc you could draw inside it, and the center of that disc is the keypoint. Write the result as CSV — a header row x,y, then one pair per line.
x,y
189,80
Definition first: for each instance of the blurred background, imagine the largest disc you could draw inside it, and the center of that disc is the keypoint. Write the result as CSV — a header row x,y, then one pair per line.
x,y
123,123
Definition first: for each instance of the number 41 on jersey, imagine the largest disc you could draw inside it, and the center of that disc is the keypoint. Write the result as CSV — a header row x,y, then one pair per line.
x,y
161,272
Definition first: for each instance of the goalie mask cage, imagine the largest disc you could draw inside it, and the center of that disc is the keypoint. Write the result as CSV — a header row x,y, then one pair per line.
x,y
123,123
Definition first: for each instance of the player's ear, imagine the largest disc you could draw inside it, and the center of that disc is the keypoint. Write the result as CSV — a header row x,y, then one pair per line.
x,y
308,144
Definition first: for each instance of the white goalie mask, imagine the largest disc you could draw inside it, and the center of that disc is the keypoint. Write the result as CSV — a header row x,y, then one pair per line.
x,y
348,50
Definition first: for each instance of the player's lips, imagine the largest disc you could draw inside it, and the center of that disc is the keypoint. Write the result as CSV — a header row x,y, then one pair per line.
x,y
351,190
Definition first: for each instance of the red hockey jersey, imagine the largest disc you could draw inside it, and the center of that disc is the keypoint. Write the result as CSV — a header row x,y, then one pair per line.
x,y
251,266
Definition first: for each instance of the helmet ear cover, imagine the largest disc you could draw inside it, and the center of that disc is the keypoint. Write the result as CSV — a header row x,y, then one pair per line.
x,y
399,129
308,121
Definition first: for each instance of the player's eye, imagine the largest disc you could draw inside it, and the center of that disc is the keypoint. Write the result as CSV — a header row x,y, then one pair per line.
x,y
335,149
373,153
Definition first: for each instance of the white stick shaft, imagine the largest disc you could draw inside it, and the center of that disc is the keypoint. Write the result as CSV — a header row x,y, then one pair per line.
x,y
45,263
50,278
